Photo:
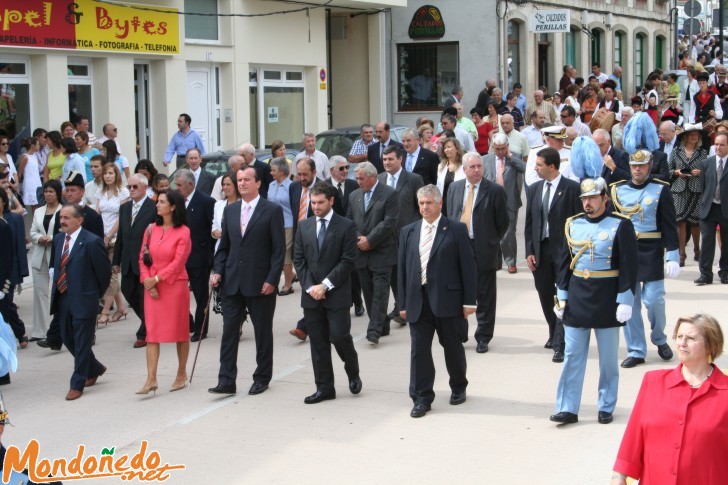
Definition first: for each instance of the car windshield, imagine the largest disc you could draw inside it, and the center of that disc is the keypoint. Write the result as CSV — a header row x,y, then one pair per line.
x,y
335,143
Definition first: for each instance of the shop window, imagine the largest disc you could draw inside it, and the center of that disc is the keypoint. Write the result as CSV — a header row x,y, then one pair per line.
x,y
427,73
514,58
618,48
15,102
276,106
201,27
79,91
639,60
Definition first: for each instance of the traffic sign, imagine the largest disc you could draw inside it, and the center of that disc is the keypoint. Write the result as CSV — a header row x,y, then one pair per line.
x,y
692,26
693,8
716,18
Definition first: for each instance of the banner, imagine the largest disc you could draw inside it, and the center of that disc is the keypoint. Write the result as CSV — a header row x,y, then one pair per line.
x,y
89,25
549,21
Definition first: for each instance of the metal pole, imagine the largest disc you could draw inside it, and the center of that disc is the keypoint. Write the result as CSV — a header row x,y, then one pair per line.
x,y
720,24
674,36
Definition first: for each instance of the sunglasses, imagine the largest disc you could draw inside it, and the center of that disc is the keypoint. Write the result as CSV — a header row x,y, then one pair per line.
x,y
343,168
132,187
5,143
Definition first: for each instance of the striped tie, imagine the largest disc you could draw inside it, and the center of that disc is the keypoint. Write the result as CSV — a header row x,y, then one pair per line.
x,y
61,285
303,205
425,247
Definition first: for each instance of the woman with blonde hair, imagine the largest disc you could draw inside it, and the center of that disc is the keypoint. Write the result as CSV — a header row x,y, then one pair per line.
x,y
451,166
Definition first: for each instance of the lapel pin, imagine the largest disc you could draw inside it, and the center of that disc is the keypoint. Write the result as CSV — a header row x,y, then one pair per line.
x,y
559,193
444,228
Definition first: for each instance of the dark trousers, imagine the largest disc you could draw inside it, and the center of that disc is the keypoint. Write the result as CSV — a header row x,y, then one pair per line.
x,y
356,289
450,332
9,311
77,335
544,279
708,228
133,291
53,335
261,310
327,327
199,278
375,286
486,298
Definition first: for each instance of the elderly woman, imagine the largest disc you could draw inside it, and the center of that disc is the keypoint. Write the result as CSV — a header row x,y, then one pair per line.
x,y
685,162
678,430
279,193
618,129
451,167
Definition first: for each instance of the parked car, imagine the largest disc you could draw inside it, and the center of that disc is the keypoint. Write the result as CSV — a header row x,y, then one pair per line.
x,y
338,141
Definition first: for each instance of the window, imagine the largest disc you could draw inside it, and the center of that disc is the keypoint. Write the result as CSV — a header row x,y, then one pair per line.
x,y
618,48
639,60
427,75
659,52
79,90
572,36
253,110
15,102
596,46
514,59
201,27
276,106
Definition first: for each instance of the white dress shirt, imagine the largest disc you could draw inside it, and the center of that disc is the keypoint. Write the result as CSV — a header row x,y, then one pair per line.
x,y
554,183
189,198
326,282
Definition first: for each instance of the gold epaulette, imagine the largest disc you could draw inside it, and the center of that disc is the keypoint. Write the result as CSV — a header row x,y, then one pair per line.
x,y
617,182
658,181
623,216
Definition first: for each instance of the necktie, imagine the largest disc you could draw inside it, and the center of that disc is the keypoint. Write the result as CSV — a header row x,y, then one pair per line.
x,y
501,168
468,209
303,204
61,285
367,199
134,211
425,247
321,233
341,187
545,212
392,182
245,219
719,174
410,162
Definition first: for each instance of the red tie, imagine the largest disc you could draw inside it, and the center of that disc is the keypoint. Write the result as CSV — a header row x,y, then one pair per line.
x,y
62,286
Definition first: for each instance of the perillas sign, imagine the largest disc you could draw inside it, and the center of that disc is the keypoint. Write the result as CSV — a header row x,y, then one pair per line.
x,y
547,21
427,23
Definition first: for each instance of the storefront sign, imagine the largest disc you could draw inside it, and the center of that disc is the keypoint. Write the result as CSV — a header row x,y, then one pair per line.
x,y
427,23
549,21
89,25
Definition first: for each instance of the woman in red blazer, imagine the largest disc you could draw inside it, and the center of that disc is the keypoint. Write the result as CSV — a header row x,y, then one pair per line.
x,y
165,250
678,431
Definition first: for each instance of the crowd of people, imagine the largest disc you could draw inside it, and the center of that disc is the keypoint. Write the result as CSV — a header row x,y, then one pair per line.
x,y
614,193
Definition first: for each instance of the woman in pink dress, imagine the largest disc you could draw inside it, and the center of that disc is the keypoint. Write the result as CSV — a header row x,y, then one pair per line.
x,y
162,259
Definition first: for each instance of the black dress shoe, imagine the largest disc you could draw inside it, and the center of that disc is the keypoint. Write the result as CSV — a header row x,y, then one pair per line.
x,y
386,329
358,310
257,388
549,344
47,345
400,321
630,362
457,398
420,410
482,347
197,338
373,340
558,357
34,339
317,397
704,280
5,380
355,385
605,417
564,418
724,280
287,292
220,389
664,351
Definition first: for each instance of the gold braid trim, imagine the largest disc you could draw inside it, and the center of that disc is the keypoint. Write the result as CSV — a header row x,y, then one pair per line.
x,y
579,246
627,211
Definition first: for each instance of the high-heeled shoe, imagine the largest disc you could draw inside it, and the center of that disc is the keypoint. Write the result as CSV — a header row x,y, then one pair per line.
x,y
176,386
147,389
120,314
102,319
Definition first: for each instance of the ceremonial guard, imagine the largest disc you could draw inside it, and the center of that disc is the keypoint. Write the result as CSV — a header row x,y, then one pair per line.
x,y
595,290
648,203
554,137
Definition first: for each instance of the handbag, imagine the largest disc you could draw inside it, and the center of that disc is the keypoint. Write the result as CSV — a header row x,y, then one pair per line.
x,y
147,258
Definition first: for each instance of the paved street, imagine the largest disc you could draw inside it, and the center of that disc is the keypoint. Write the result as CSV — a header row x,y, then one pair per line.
x,y
500,435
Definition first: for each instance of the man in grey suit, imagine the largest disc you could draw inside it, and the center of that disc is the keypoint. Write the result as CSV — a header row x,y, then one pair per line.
x,y
406,184
506,169
374,208
714,212
481,205
324,254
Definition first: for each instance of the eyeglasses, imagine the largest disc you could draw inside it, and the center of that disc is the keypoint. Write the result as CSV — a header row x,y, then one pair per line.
x,y
132,187
343,168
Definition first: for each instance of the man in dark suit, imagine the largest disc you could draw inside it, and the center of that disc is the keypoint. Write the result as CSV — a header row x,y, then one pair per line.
x,y
204,180
81,274
406,184
455,96
482,206
247,151
374,208
506,170
668,137
616,162
135,217
544,232
374,152
714,212
660,169
437,294
200,208
248,266
324,254
345,186
74,194
419,160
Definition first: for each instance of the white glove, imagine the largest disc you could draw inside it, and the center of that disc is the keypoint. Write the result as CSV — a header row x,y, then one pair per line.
x,y
624,312
559,312
672,269
2,295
